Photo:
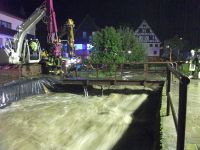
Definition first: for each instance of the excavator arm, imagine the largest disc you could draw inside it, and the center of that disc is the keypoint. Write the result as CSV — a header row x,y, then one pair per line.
x,y
23,29
68,29
17,51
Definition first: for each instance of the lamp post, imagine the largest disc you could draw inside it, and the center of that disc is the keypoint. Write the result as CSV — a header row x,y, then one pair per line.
x,y
179,48
170,52
129,53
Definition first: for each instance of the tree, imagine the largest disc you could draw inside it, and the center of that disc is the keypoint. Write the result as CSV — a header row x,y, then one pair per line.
x,y
116,46
173,48
133,50
107,46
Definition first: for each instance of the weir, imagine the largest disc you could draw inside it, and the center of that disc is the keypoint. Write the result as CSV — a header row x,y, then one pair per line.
x,y
125,114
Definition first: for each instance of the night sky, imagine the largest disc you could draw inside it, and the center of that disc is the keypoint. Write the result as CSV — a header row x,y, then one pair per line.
x,y
166,17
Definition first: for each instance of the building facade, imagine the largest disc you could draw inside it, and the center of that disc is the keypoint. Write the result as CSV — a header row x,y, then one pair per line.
x,y
8,26
148,38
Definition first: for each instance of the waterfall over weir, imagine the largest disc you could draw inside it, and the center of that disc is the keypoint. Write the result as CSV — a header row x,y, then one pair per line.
x,y
122,118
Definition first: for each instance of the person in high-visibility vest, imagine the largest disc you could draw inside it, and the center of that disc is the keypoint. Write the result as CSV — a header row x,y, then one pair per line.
x,y
34,46
34,50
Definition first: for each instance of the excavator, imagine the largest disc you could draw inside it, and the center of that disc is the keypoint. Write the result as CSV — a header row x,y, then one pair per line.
x,y
26,54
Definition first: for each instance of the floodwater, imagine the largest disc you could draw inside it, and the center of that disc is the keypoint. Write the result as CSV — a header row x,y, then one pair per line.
x,y
65,121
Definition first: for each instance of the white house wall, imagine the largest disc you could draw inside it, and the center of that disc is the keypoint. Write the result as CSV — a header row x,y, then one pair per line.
x,y
148,39
154,51
14,22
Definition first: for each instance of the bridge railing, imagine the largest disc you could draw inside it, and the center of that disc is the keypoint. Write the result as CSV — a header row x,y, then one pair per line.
x,y
144,69
180,120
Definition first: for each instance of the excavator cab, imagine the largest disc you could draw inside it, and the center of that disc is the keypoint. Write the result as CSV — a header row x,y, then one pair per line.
x,y
32,51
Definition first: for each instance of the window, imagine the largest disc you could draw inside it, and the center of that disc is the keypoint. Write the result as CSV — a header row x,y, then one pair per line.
x,y
154,52
140,30
147,30
156,45
84,35
5,24
150,45
150,37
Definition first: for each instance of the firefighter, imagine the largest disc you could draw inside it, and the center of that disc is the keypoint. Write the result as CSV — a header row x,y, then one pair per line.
x,y
50,64
34,47
44,61
58,65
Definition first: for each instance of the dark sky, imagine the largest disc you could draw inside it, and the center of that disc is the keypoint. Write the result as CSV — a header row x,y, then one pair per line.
x,y
166,17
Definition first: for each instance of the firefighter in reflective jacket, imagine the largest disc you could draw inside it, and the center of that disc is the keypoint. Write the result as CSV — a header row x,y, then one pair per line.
x,y
50,64
34,47
58,64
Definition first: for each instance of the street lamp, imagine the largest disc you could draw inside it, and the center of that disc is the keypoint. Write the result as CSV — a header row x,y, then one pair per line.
x,y
129,53
179,48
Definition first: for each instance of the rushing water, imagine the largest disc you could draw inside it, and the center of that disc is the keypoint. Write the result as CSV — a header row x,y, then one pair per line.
x,y
64,121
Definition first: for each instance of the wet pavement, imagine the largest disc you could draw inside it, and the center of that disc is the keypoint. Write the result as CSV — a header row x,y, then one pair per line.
x,y
193,118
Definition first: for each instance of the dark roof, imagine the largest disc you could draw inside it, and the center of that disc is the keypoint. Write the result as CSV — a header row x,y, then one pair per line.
x,y
87,25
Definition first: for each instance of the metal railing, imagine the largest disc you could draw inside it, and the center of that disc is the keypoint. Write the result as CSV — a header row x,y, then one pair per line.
x,y
145,67
179,121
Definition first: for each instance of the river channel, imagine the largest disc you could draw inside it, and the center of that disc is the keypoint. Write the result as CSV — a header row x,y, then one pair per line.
x,y
66,121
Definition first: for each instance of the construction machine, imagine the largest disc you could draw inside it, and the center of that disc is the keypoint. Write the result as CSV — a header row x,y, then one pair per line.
x,y
68,29
69,59
25,54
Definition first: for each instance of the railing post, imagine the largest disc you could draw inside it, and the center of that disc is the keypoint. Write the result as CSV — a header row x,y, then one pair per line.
x,y
115,72
97,70
182,113
121,67
168,88
145,71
